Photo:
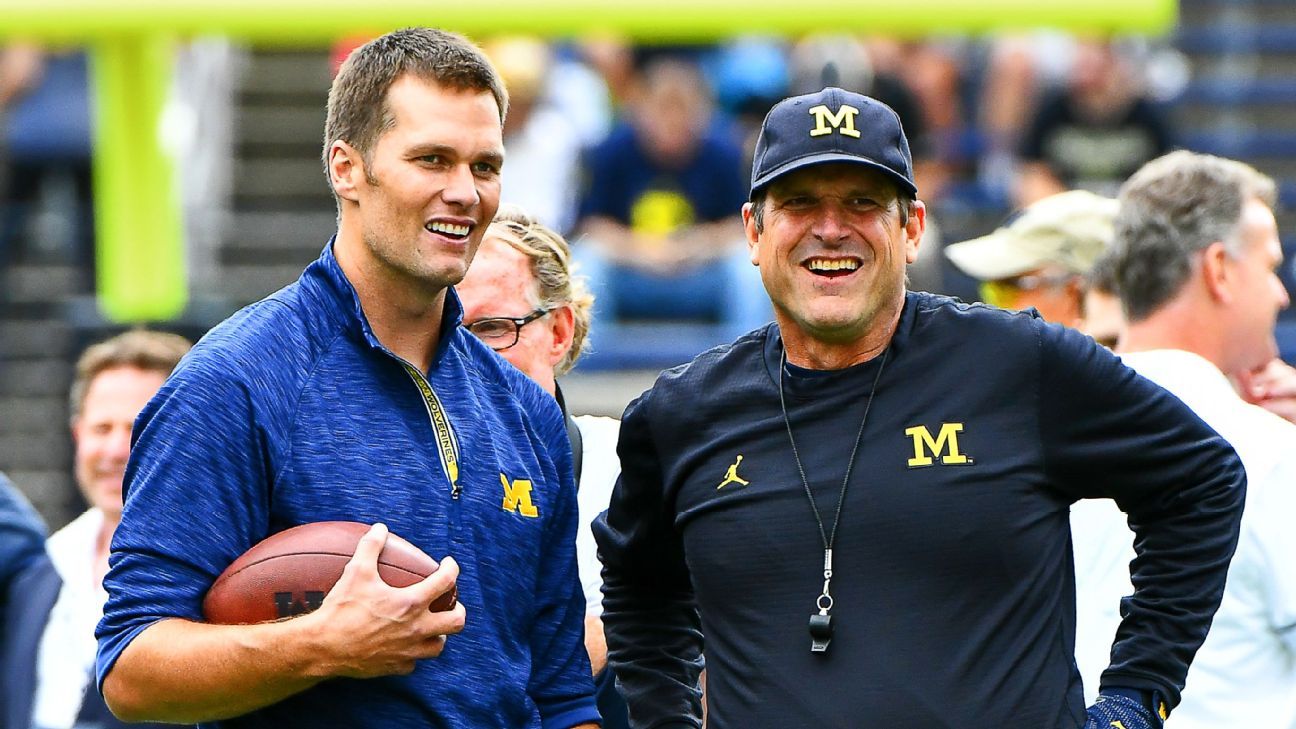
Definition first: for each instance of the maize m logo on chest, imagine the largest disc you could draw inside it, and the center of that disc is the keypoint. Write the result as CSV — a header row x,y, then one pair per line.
x,y
517,496
944,446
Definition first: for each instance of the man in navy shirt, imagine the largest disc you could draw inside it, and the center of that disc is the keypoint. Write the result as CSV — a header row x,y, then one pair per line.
x,y
353,394
864,506
659,213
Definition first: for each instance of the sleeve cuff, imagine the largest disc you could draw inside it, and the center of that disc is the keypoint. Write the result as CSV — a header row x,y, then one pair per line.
x,y
111,647
1150,700
567,714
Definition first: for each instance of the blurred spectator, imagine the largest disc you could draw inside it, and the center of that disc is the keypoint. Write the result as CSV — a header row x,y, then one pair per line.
x,y
20,68
589,81
47,193
48,646
612,57
1103,319
923,82
543,146
750,74
1040,258
1095,131
1012,75
660,211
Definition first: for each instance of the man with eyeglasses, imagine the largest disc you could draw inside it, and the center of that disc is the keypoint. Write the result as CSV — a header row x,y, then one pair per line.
x,y
1040,258
521,299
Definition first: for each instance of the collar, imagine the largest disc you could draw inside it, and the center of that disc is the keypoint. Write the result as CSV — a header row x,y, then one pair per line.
x,y
848,379
562,402
328,286
573,434
71,549
1181,370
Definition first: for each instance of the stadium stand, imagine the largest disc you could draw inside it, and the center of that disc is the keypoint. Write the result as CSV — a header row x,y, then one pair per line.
x,y
1237,104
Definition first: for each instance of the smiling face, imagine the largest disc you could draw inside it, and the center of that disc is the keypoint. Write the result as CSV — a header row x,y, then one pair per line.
x,y
431,185
102,430
833,251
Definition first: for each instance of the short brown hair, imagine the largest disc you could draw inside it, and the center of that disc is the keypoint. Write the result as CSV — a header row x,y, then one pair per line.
x,y
552,268
139,348
358,113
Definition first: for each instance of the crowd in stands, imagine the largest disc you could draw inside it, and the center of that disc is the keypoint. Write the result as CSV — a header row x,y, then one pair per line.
x,y
645,169
639,153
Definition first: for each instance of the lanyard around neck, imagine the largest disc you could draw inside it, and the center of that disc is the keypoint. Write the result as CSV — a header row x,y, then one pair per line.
x,y
447,444
821,622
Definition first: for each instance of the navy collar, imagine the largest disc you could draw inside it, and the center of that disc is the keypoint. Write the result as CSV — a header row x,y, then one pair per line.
x,y
573,434
772,351
325,282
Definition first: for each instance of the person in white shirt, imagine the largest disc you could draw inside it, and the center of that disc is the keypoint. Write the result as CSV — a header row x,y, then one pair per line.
x,y
521,298
49,647
1195,259
543,142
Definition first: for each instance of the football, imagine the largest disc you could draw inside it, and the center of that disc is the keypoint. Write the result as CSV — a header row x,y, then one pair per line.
x,y
289,573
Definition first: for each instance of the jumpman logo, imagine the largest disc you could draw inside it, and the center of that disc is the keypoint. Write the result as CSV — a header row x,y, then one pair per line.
x,y
731,476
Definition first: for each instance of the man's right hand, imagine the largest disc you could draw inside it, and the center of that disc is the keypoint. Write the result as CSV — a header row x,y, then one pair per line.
x,y
367,628
184,672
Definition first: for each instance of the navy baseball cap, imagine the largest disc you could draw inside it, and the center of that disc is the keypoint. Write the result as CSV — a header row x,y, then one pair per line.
x,y
832,125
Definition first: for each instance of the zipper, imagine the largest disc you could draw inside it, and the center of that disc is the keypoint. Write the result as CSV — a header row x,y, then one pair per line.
x,y
447,444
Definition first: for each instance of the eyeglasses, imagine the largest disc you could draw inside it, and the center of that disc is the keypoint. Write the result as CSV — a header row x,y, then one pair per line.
x,y
501,332
1003,292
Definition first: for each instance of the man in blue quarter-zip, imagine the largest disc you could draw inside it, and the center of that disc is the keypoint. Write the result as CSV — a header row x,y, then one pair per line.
x,y
353,394
864,506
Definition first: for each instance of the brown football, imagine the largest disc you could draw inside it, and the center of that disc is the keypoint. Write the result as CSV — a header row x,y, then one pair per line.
x,y
289,573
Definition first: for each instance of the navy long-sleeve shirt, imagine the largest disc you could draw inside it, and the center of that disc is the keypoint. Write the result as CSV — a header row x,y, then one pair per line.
x,y
953,578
